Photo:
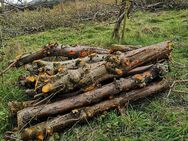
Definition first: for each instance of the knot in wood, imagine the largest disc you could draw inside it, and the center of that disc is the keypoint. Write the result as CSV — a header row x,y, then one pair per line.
x,y
113,59
91,56
74,76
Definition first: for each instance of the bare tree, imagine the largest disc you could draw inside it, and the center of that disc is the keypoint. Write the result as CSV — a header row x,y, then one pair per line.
x,y
117,26
125,9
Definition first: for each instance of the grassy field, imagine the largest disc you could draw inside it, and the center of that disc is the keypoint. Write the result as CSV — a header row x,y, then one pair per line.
x,y
158,118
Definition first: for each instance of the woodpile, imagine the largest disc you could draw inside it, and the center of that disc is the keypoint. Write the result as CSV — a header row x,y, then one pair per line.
x,y
71,84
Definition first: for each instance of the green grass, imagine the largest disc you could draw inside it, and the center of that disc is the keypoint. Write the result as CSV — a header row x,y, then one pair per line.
x,y
158,118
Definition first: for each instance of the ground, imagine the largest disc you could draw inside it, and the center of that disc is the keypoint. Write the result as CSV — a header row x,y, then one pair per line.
x,y
163,117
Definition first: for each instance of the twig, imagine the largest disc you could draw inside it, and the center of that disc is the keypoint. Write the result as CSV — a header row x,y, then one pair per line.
x,y
177,91
173,84
181,81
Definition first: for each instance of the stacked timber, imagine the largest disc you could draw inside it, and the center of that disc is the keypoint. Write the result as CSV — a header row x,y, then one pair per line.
x,y
69,84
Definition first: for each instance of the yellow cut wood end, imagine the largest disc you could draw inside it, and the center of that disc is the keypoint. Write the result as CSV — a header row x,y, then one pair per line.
x,y
31,78
40,136
46,88
119,71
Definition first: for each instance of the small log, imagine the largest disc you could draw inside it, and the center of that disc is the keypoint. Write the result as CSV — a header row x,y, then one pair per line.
x,y
123,48
15,106
139,80
59,50
78,115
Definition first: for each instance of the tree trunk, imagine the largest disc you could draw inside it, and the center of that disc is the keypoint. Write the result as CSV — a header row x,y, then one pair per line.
x,y
79,115
88,98
121,15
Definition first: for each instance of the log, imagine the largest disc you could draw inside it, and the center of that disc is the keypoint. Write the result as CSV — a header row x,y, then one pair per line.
x,y
59,50
117,65
138,80
59,123
52,68
15,106
139,57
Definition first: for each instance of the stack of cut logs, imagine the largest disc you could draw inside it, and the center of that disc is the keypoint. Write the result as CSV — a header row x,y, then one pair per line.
x,y
71,84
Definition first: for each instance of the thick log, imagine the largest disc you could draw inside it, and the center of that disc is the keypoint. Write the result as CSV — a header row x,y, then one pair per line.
x,y
78,115
59,50
88,98
117,65
140,56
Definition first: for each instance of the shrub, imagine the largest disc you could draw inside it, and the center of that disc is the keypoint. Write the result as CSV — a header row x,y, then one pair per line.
x,y
19,23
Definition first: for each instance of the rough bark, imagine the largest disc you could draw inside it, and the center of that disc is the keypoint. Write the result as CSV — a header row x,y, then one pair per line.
x,y
140,56
52,68
117,65
61,122
88,98
59,50
36,82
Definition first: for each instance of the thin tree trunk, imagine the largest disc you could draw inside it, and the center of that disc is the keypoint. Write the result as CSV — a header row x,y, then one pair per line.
x,y
115,34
